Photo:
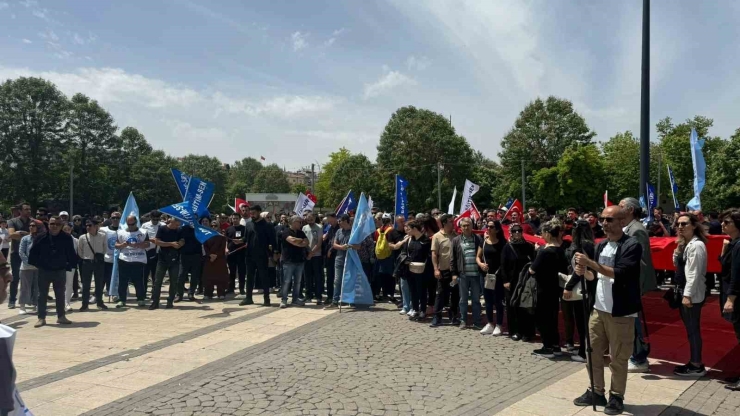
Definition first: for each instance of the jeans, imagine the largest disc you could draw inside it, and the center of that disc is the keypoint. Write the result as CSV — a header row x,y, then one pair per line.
x,y
692,321
406,294
15,269
237,263
444,293
338,277
132,272
292,273
189,263
169,264
58,279
88,268
257,272
314,272
151,268
469,287
639,354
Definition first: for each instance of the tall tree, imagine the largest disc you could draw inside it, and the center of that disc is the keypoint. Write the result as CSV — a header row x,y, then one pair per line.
x,y
621,162
209,169
541,134
355,172
33,115
487,174
675,147
272,179
323,183
722,189
241,177
413,144
577,180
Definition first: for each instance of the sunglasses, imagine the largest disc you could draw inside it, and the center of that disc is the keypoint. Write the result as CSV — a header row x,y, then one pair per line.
x,y
32,226
516,231
683,223
607,219
78,220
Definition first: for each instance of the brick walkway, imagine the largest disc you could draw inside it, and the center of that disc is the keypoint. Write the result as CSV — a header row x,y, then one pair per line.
x,y
357,363
706,397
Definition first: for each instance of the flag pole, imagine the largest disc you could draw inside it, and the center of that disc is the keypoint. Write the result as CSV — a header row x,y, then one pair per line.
x,y
395,199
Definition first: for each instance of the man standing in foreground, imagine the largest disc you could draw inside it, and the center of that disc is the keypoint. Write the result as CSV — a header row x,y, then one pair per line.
x,y
294,243
634,228
442,259
261,241
54,255
314,270
617,303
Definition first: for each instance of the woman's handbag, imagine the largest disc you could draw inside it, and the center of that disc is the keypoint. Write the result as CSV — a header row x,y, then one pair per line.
x,y
490,282
576,293
674,297
417,267
401,268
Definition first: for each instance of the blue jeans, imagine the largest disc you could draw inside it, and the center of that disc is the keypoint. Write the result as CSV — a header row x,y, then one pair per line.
x,y
338,276
292,273
469,287
406,294
639,354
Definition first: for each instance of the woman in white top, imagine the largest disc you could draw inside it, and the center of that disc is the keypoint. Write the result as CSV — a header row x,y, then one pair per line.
x,y
70,274
690,259
4,237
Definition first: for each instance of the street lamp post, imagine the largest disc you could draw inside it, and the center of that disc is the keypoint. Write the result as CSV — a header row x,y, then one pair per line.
x,y
645,101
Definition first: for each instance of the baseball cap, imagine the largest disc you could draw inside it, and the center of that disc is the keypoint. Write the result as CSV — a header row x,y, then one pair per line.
x,y
64,213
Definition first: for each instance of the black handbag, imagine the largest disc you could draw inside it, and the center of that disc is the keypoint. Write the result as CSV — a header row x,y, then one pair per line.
x,y
401,268
673,296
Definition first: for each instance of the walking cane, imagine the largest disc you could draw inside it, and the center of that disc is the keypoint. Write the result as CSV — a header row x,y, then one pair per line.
x,y
589,350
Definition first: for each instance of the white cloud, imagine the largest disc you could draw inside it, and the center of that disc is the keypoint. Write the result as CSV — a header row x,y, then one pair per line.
x,y
418,63
78,39
281,106
4,5
334,35
298,40
387,82
27,41
49,35
29,3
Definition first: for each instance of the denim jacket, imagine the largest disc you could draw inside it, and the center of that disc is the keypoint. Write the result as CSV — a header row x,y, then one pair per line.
x,y
23,251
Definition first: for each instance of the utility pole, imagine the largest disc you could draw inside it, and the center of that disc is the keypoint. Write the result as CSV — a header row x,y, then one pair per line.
x,y
313,180
524,191
71,189
645,101
439,186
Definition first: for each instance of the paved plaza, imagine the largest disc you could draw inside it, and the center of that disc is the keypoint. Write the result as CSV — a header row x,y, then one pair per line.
x,y
215,358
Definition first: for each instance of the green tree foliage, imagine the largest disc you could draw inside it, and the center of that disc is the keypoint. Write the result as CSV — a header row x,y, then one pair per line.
x,y
541,134
412,145
622,165
271,178
355,172
487,174
323,183
241,177
722,188
209,169
577,180
33,117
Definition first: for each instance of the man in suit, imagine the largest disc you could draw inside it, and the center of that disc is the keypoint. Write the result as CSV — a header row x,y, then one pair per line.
x,y
633,227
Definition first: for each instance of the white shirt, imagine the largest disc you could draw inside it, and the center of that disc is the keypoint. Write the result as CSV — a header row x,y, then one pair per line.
x,y
151,231
244,221
604,298
111,236
131,254
4,238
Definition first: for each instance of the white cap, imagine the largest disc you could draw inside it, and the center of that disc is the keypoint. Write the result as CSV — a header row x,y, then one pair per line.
x,y
64,213
387,216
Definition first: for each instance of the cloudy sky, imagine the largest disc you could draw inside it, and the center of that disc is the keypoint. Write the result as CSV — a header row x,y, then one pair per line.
x,y
294,80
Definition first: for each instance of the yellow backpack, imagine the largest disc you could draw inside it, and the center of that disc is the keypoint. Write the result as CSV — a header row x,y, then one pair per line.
x,y
382,249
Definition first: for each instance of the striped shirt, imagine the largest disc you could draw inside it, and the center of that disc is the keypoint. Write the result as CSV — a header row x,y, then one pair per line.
x,y
468,246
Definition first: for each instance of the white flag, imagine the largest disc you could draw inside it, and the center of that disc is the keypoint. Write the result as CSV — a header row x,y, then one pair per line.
x,y
303,204
370,202
468,192
451,208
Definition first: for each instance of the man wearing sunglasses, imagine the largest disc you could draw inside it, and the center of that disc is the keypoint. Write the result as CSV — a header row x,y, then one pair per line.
x,y
54,255
111,236
634,228
617,303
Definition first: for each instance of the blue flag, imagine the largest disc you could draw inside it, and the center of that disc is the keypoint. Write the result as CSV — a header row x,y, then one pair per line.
x,y
200,194
183,211
402,200
674,190
355,285
181,179
509,203
700,168
652,199
349,203
131,208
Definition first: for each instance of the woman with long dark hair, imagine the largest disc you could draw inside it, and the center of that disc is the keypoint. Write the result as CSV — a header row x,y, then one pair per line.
x,y
515,256
545,268
573,314
690,259
489,260
730,278
419,248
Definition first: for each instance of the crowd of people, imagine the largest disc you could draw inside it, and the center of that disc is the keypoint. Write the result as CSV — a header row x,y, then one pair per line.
x,y
592,267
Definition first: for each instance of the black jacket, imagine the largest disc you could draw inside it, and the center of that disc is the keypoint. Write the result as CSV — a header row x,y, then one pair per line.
x,y
53,252
513,259
261,239
626,289
731,269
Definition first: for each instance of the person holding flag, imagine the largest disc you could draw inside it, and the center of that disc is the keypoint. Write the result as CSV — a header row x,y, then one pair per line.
x,y
340,245
132,244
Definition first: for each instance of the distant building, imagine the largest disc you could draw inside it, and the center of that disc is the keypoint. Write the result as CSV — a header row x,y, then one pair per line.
x,y
299,178
274,203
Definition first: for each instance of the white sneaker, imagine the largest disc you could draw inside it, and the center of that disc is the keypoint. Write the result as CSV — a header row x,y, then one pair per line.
x,y
638,368
487,330
422,315
92,300
403,312
22,311
411,313
67,307
497,331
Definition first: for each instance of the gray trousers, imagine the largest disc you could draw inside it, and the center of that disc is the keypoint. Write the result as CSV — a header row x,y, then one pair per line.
x,y
692,321
29,287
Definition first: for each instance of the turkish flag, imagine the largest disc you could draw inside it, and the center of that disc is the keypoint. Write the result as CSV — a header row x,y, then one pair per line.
x,y
516,206
311,196
238,202
607,202
474,213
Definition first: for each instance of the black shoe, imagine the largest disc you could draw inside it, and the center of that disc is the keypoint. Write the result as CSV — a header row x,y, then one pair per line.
x,y
734,387
154,306
49,297
615,406
84,308
588,398
169,305
247,301
732,380
435,322
690,370
516,337
178,299
455,321
319,302
557,351
191,297
102,306
266,303
526,339
75,297
544,352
